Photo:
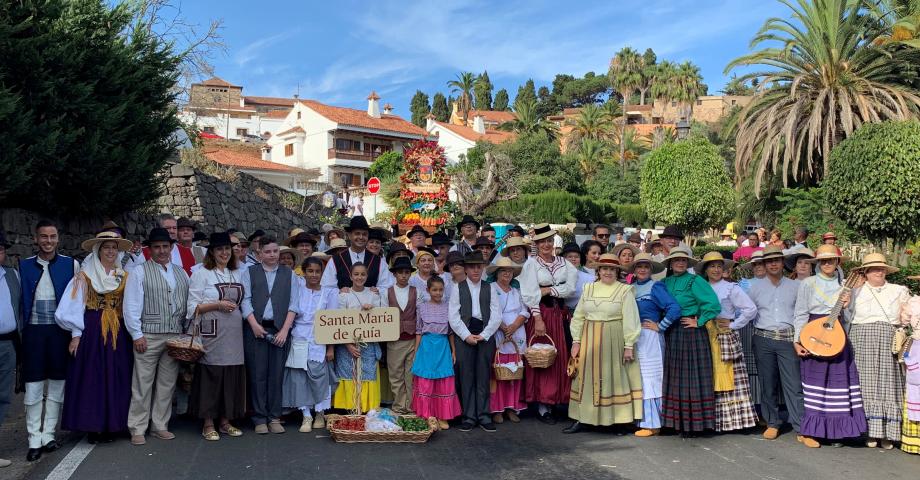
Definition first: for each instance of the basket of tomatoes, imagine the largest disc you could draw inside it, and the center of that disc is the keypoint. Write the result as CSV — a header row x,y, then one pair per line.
x,y
352,429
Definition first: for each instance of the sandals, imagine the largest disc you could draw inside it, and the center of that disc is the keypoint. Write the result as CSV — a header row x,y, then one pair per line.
x,y
230,430
211,435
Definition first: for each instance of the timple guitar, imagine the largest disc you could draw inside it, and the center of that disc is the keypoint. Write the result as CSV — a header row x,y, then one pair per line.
x,y
824,337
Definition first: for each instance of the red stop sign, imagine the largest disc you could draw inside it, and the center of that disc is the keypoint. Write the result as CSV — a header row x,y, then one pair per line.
x,y
373,185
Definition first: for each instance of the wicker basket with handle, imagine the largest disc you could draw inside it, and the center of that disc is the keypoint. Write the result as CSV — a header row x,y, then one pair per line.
x,y
354,436
504,373
540,357
183,347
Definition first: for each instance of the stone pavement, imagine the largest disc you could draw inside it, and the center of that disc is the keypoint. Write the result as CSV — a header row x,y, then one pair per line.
x,y
527,451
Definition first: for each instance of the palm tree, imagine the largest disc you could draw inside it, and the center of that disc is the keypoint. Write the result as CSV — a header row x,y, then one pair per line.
x,y
661,136
463,87
528,120
687,85
823,82
901,19
632,146
625,77
590,155
593,122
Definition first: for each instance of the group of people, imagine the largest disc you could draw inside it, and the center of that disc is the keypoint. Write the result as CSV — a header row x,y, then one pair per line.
x,y
644,334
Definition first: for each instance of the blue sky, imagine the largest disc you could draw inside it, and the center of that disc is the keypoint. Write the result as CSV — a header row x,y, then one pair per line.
x,y
338,51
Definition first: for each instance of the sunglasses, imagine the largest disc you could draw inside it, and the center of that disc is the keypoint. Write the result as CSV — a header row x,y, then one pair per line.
x,y
603,235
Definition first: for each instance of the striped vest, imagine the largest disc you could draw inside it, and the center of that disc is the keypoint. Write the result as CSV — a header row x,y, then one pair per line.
x,y
164,308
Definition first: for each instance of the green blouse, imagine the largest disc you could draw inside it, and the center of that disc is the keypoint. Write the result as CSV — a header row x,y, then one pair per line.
x,y
695,296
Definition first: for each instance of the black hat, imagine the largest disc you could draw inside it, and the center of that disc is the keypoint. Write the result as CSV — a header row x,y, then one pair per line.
x,y
199,236
519,229
635,238
427,250
572,247
303,237
416,229
183,222
220,239
3,241
397,248
455,257
474,258
440,238
672,231
467,219
402,263
256,234
482,242
358,222
158,235
377,234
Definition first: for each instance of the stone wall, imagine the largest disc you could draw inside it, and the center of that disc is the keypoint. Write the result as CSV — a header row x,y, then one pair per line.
x,y
245,204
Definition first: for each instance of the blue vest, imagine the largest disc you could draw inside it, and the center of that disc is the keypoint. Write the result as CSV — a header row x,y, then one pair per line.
x,y
31,271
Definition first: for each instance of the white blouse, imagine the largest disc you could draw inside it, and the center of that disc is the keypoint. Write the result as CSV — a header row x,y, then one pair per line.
x,y
512,307
72,307
560,275
878,304
201,287
310,302
736,305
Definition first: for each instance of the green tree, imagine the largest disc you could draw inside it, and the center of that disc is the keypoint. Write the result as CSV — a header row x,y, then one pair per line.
x,y
88,100
527,119
824,81
591,155
736,87
900,21
647,73
685,183
625,76
687,87
592,122
501,100
419,108
482,92
387,166
612,185
440,108
463,87
579,92
526,93
874,181
546,103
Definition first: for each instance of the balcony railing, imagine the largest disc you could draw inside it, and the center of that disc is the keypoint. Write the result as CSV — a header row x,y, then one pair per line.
x,y
353,155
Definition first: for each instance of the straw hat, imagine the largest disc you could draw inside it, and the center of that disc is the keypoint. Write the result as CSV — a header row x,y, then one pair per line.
x,y
826,252
122,244
680,252
320,255
793,258
504,262
828,236
542,231
713,257
625,246
727,233
873,260
292,251
336,245
643,258
607,260
514,242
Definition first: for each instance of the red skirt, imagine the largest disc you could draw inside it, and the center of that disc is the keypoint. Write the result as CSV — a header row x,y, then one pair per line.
x,y
506,394
435,398
550,385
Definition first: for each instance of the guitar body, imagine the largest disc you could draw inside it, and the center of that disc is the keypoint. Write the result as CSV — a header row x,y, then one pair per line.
x,y
823,337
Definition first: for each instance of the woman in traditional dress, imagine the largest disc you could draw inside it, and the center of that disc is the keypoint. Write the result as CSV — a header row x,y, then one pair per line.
x,y
657,310
734,408
625,253
510,340
833,401
358,297
798,264
425,268
574,255
688,404
97,390
607,387
546,281
875,313
910,426
289,257
214,297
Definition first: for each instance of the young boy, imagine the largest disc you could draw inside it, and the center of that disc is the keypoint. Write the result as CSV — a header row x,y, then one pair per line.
x,y
400,352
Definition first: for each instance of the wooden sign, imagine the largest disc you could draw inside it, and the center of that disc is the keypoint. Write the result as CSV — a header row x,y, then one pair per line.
x,y
379,324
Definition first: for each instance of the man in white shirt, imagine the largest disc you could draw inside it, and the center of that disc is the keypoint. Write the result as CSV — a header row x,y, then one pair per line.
x,y
475,315
154,308
401,352
337,274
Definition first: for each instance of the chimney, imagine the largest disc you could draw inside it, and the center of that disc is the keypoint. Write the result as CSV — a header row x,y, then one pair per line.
x,y
429,122
478,125
388,109
373,105
266,153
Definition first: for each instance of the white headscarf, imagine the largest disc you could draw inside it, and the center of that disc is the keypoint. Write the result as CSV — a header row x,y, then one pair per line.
x,y
102,282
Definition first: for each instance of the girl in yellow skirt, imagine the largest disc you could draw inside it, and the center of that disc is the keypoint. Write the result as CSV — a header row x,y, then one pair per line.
x,y
358,298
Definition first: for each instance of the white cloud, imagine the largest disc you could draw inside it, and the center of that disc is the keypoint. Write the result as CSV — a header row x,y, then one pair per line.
x,y
257,48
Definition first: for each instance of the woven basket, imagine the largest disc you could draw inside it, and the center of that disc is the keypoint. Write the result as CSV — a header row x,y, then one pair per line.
x,y
504,373
352,436
540,357
184,348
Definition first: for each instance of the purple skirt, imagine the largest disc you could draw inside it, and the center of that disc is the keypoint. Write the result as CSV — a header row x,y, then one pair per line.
x,y
833,399
97,392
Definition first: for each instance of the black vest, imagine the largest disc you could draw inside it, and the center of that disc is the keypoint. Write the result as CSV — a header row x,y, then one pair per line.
x,y
342,262
466,302
280,294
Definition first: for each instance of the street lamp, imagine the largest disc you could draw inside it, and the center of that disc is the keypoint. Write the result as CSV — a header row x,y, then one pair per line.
x,y
683,129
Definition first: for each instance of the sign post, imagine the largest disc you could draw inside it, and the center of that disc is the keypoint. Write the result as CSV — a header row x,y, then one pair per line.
x,y
373,185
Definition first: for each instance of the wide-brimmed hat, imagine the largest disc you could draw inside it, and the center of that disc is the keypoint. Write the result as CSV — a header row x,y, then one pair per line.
x,y
713,257
336,245
439,238
826,252
504,262
358,222
643,258
874,260
184,222
679,251
607,260
110,226
672,231
417,229
517,228
634,238
467,219
828,236
301,237
398,247
320,255
219,239
453,258
542,231
756,257
256,234
512,242
474,258
290,236
380,234
625,246
572,247
726,233
428,250
402,263
292,251
122,244
771,251
199,237
793,257
483,242
243,241
158,235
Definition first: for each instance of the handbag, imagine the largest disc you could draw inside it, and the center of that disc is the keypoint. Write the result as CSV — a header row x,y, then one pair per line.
x,y
900,341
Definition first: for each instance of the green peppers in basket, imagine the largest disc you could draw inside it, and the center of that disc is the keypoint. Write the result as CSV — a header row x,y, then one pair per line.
x,y
412,424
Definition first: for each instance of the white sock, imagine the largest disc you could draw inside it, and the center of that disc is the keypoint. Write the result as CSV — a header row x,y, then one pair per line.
x,y
306,412
542,408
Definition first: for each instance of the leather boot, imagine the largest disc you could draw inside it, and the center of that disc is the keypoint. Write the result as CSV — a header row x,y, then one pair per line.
x,y
575,427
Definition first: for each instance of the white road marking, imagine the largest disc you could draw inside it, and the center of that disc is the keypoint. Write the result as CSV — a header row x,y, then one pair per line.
x,y
71,462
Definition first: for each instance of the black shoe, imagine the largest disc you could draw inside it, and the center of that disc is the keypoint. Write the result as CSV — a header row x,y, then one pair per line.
x,y
34,454
575,427
466,426
106,437
93,438
489,427
51,446
547,418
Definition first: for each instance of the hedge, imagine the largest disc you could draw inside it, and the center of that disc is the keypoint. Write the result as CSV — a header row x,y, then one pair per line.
x,y
564,207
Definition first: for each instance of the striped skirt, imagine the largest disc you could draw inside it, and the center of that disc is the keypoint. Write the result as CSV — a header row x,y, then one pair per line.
x,y
880,379
750,362
910,434
689,403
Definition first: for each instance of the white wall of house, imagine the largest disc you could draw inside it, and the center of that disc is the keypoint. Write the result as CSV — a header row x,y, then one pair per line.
x,y
454,145
227,127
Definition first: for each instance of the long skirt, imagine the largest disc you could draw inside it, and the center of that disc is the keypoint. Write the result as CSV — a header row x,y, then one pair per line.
x,y
606,389
689,403
218,391
97,392
370,394
910,434
307,387
910,427
506,394
549,385
750,362
435,398
650,353
734,410
880,379
833,400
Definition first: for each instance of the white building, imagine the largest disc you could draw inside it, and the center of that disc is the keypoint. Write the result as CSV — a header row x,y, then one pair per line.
x,y
458,139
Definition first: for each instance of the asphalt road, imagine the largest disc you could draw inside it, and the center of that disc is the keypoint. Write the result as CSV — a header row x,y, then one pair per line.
x,y
528,451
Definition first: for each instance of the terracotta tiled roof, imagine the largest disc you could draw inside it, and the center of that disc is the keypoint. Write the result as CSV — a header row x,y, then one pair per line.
x,y
244,159
218,82
571,111
638,108
494,136
360,118
492,115
277,113
273,101
292,130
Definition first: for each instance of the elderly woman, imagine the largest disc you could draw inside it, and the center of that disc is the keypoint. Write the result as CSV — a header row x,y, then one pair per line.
x,y
546,281
510,339
214,297
875,313
734,408
426,265
910,426
689,398
517,249
289,257
607,387
97,389
826,414
657,310
798,264
625,253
